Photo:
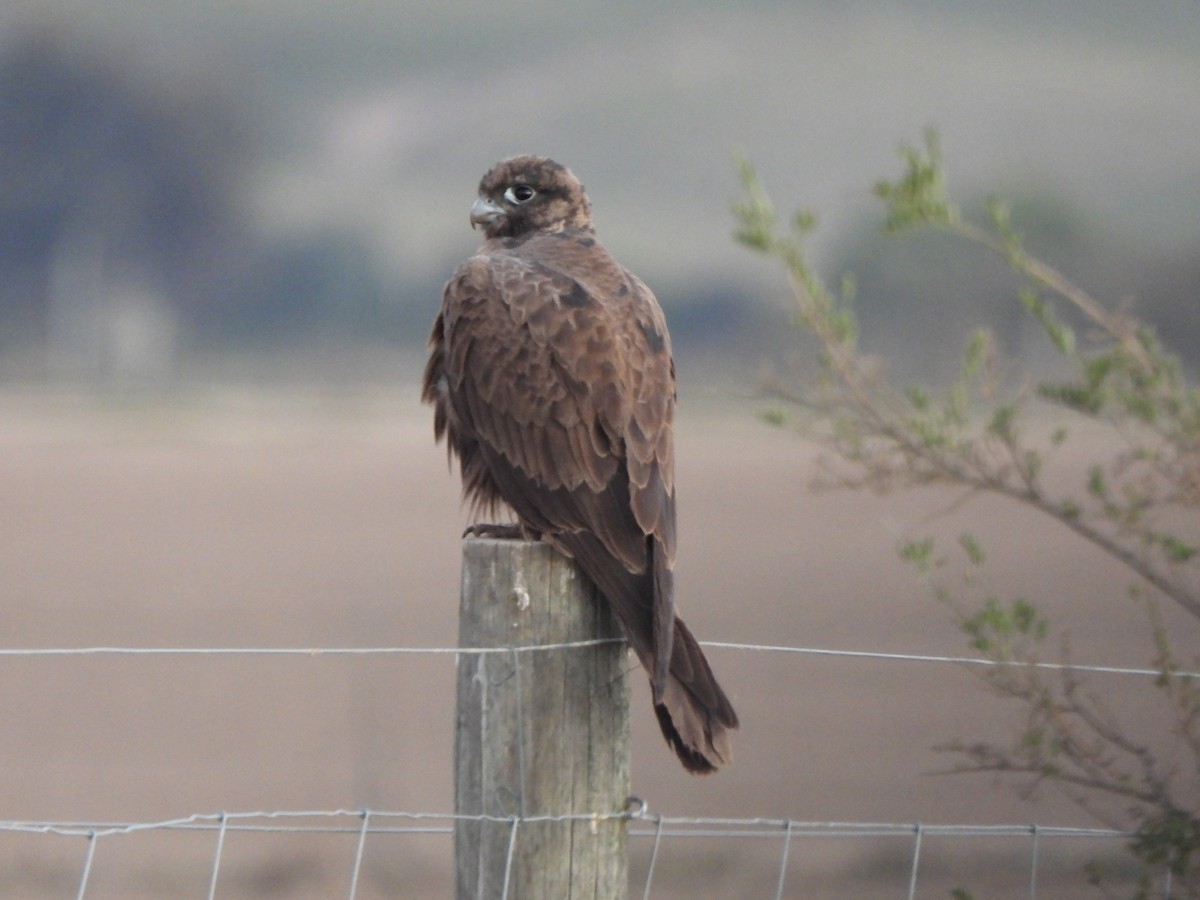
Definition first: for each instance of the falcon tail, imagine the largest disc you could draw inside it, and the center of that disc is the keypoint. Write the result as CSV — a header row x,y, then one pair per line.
x,y
693,712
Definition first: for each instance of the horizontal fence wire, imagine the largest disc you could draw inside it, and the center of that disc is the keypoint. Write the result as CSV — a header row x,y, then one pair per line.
x,y
646,824
33,652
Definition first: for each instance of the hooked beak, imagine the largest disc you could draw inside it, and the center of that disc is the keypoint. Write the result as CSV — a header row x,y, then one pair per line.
x,y
485,212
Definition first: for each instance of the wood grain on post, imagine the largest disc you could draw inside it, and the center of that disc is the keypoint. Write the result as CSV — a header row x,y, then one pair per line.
x,y
539,732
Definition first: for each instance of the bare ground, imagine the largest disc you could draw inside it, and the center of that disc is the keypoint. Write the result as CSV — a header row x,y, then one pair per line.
x,y
293,521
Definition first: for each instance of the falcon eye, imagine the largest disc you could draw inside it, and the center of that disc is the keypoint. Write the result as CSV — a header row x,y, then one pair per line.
x,y
520,193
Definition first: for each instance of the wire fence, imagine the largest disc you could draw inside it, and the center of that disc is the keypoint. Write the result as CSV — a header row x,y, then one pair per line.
x,y
644,826
648,830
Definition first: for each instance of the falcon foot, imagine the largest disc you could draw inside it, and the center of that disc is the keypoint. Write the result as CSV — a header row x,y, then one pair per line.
x,y
508,531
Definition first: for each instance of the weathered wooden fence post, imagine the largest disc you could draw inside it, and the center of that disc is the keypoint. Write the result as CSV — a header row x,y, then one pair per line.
x,y
539,732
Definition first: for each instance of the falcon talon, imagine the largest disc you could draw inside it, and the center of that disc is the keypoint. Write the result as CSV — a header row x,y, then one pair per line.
x,y
507,531
551,379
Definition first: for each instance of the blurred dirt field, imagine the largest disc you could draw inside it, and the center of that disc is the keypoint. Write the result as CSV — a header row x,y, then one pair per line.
x,y
288,520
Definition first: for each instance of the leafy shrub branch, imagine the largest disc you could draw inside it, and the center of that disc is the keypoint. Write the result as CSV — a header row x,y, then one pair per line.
x,y
1139,503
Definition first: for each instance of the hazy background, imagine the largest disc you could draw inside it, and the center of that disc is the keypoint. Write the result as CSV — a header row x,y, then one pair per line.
x,y
223,232
181,177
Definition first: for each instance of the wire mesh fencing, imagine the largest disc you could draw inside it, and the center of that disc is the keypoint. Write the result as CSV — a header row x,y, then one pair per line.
x,y
367,853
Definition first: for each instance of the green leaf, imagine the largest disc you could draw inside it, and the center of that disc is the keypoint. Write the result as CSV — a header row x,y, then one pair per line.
x,y
919,196
1060,335
754,212
1001,215
956,405
918,552
1176,551
994,628
1088,399
804,221
1168,839
917,397
977,352
1001,424
849,288
1027,620
972,548
844,326
1033,463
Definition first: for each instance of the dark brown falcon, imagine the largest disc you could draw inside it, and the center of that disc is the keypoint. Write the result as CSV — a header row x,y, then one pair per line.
x,y
551,378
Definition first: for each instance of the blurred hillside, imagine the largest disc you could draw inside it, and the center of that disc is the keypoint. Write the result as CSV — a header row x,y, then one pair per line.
x,y
188,179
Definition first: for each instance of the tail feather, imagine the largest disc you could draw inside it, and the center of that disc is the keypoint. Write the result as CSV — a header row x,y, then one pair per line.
x,y
694,713
692,709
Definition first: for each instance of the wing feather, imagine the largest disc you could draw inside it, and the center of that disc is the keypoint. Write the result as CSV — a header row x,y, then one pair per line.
x,y
559,400
564,385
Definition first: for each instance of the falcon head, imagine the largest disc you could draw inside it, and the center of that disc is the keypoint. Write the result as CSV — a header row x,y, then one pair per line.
x,y
524,194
